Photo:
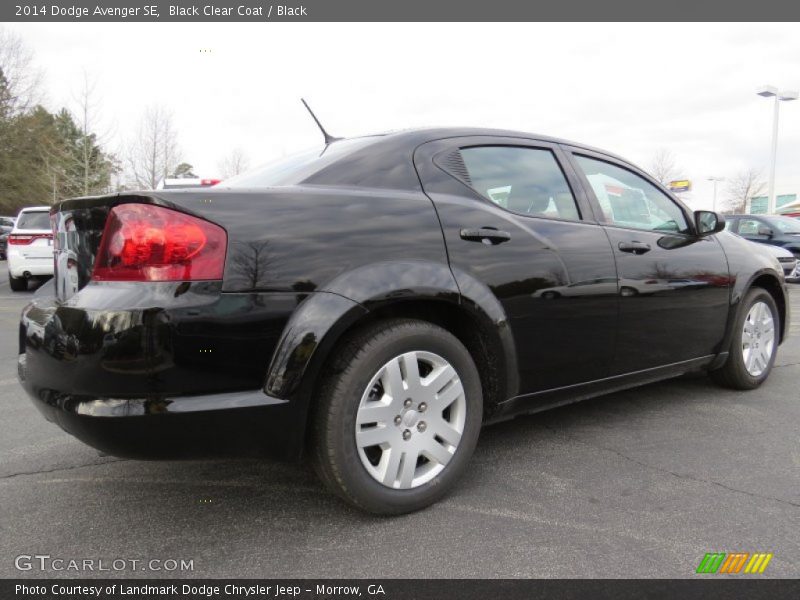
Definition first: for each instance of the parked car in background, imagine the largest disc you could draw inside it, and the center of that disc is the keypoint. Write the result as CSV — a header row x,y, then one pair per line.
x,y
788,261
775,230
30,248
3,244
375,301
176,183
6,225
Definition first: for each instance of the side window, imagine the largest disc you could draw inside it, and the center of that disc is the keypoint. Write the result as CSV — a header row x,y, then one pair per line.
x,y
748,227
523,180
631,201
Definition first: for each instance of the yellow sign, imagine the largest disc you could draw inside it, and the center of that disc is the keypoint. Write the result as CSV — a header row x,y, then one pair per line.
x,y
680,185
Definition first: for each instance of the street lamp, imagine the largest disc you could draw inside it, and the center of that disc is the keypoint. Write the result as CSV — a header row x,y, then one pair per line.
x,y
769,91
715,180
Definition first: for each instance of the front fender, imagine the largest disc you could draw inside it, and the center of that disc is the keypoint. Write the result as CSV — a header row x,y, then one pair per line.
x,y
747,262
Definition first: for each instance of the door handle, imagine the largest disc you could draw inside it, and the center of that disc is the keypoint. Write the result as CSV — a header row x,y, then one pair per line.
x,y
634,247
487,235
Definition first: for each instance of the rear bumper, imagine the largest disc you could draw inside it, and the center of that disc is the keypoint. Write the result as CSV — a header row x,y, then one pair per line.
x,y
237,423
132,389
19,266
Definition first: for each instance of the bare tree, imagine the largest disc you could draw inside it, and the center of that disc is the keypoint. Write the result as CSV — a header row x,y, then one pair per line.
x,y
663,166
252,263
20,80
86,120
234,163
154,153
741,188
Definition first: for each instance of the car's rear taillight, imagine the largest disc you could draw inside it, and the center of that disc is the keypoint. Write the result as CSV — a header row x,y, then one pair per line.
x,y
24,239
209,182
142,242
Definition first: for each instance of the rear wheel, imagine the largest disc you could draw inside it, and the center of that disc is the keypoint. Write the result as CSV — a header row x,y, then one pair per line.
x,y
17,284
399,417
754,344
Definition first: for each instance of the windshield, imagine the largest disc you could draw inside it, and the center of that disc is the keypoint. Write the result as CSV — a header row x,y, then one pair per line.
x,y
34,220
786,224
295,169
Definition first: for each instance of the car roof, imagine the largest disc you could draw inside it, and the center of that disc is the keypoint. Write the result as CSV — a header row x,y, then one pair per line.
x,y
35,209
429,134
375,163
759,216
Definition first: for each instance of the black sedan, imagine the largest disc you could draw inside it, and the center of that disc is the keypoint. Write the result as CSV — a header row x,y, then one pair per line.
x,y
373,302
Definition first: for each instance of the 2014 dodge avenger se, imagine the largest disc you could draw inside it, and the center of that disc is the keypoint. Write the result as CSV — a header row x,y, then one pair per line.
x,y
378,299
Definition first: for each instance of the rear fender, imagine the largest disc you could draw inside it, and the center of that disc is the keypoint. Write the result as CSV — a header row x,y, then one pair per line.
x,y
320,321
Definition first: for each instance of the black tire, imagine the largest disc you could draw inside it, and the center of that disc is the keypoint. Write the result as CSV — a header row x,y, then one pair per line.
x,y
17,284
733,374
334,451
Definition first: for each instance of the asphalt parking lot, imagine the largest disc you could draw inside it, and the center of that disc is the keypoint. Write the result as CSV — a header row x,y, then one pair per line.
x,y
635,484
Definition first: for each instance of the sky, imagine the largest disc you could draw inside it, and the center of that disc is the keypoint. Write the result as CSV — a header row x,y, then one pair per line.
x,y
631,89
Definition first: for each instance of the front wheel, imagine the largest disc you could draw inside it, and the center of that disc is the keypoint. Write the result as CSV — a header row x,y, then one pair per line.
x,y
398,418
754,344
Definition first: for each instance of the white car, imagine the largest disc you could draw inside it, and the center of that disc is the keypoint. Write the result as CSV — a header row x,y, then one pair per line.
x,y
30,247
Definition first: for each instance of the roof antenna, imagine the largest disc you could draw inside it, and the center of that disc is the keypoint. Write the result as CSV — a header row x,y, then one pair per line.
x,y
328,137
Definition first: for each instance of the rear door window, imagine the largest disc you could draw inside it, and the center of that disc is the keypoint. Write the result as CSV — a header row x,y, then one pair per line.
x,y
523,180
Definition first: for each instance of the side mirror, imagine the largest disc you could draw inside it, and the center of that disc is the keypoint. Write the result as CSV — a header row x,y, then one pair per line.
x,y
707,222
764,230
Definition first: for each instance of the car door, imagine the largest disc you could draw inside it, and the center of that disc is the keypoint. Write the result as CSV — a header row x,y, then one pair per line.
x,y
674,286
516,220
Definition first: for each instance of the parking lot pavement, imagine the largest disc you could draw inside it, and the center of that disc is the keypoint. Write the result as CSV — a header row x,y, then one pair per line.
x,y
635,484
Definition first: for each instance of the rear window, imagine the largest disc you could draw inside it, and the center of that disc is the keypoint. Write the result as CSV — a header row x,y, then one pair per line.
x,y
295,169
34,220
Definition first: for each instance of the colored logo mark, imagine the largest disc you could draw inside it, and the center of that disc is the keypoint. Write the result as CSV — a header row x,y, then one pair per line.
x,y
734,562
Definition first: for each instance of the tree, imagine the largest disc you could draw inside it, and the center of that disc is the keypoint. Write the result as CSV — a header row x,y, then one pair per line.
x,y
663,166
184,171
93,165
234,163
85,168
26,169
252,263
154,154
741,188
43,156
18,88
21,80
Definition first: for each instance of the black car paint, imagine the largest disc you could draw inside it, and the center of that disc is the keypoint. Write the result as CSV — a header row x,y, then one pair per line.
x,y
181,369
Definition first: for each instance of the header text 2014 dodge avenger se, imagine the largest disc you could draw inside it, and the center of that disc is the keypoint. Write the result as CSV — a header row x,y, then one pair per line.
x,y
376,300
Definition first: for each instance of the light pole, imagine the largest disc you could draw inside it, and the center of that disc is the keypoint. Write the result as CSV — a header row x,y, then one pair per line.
x,y
770,91
715,180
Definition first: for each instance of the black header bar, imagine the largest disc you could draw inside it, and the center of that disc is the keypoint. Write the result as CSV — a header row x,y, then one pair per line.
x,y
332,11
